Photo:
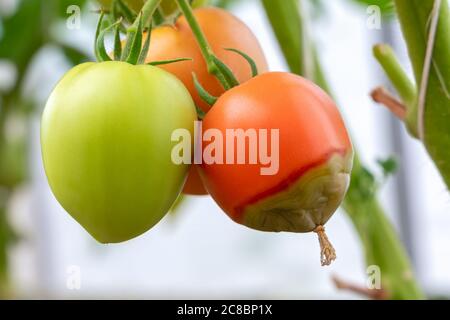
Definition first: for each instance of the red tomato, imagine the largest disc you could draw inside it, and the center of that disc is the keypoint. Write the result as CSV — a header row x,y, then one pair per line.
x,y
314,155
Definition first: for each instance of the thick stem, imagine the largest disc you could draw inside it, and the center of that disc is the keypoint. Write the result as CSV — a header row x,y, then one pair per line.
x,y
327,252
149,9
427,36
394,70
198,33
406,110
431,39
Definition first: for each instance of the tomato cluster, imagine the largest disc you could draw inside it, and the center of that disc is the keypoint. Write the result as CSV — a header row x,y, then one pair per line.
x,y
107,137
221,28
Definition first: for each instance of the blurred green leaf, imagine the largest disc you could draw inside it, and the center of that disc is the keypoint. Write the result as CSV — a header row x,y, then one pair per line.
x,y
363,185
389,166
22,34
74,55
61,6
13,162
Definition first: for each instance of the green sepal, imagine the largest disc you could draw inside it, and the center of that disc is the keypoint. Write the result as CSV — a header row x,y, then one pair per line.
x,y
226,72
134,42
146,47
205,95
158,17
100,51
200,113
126,11
117,43
97,34
250,61
162,62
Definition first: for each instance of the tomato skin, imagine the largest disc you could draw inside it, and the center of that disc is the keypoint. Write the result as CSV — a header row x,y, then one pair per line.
x,y
223,30
310,130
106,146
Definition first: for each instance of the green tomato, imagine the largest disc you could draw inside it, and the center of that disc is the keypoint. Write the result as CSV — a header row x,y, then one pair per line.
x,y
106,146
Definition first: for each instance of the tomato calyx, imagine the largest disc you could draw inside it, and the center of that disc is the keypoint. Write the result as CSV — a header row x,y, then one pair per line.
x,y
229,76
215,66
136,49
250,61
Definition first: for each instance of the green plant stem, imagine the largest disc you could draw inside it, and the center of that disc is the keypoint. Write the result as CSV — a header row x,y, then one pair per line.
x,y
203,43
199,35
401,82
149,9
381,244
396,74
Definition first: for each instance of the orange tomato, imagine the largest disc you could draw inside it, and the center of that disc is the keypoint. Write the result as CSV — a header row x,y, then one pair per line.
x,y
223,30
314,155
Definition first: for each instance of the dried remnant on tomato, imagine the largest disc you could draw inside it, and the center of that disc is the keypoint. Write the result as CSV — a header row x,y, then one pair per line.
x,y
315,157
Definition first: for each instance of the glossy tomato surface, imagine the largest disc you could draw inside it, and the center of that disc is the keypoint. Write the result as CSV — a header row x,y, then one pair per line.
x,y
106,146
311,130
